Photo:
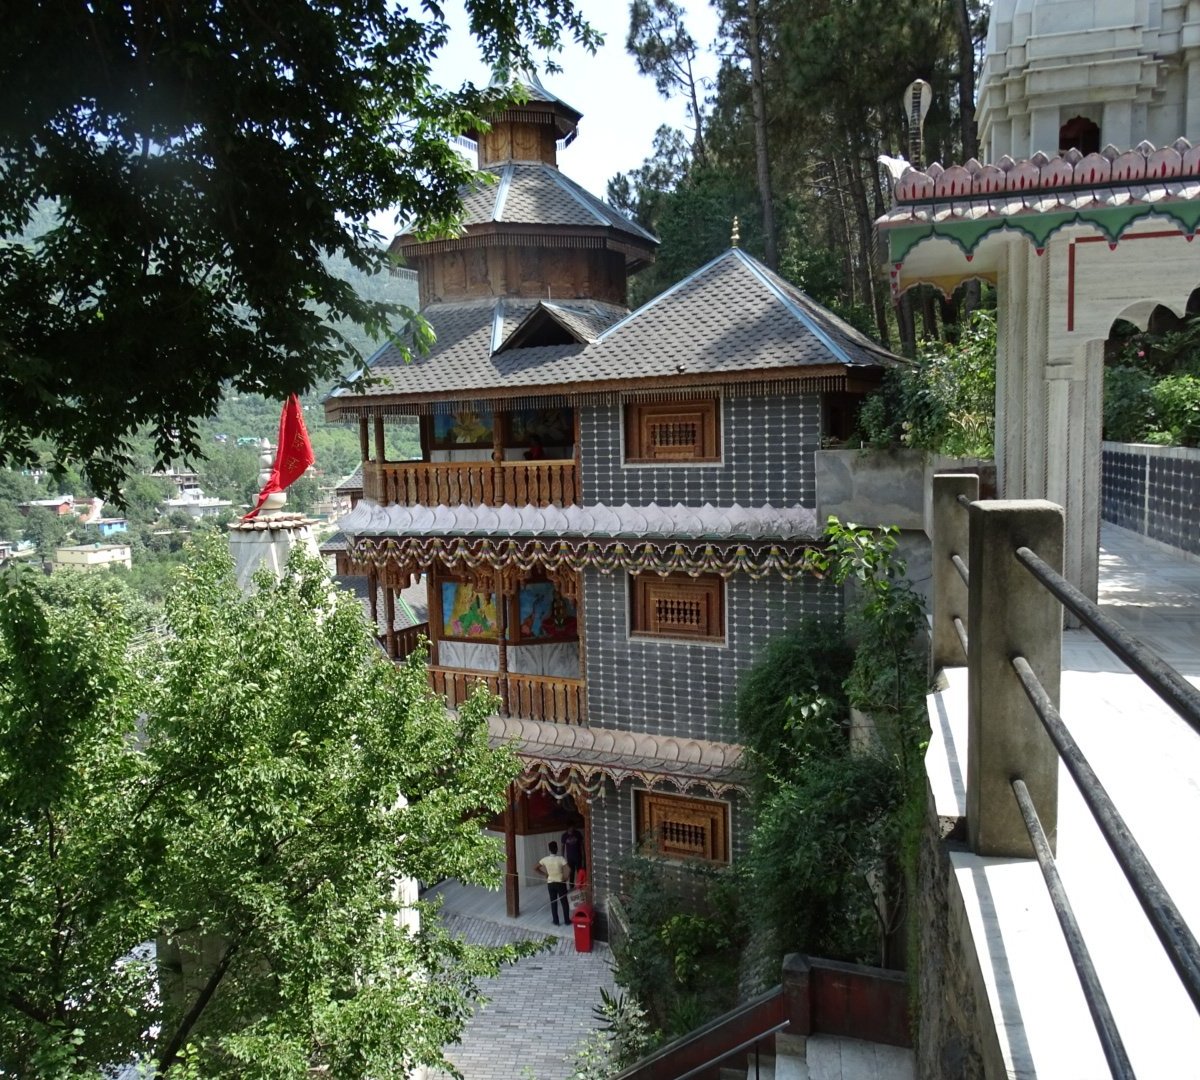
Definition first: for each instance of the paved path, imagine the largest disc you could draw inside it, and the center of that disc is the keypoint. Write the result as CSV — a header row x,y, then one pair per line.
x,y
540,1008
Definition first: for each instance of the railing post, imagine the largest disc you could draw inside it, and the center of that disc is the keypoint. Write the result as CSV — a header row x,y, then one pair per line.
x,y
1011,614
951,536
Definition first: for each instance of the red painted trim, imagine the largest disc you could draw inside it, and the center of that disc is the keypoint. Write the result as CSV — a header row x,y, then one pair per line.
x,y
1130,236
1070,286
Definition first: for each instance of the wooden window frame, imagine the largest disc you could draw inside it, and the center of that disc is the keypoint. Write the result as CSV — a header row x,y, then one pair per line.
x,y
650,593
640,445
681,828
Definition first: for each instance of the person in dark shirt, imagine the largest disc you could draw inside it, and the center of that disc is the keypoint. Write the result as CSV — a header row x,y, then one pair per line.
x,y
572,849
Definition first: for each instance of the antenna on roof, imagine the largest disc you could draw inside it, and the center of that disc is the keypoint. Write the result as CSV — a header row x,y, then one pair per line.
x,y
734,236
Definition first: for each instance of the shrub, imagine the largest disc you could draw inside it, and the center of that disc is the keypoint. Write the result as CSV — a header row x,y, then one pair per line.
x,y
1177,403
945,402
1128,403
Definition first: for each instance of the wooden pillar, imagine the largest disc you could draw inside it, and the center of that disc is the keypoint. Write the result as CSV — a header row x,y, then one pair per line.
x,y
380,454
512,873
373,598
502,647
389,611
364,438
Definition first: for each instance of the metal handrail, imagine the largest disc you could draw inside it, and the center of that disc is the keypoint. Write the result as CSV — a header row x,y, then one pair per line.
x,y
1093,992
1163,679
1172,930
1177,939
657,1058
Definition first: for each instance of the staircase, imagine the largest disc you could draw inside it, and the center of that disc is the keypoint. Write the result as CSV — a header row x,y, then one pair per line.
x,y
828,1057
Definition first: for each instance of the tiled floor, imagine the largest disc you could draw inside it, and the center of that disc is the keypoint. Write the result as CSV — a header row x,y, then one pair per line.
x,y
539,1009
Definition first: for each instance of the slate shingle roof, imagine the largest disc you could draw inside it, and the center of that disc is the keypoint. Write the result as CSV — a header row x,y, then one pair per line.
x,y
731,317
537,194
353,482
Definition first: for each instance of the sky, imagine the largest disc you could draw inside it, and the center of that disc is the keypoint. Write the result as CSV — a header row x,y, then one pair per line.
x,y
621,108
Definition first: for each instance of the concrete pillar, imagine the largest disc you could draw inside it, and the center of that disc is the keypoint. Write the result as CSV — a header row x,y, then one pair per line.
x,y
951,536
1011,614
1043,130
1117,125
267,541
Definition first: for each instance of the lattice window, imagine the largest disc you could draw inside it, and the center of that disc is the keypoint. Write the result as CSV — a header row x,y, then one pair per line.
x,y
672,431
678,606
679,828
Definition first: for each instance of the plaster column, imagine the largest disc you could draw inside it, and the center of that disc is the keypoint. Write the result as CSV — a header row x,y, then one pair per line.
x,y
1043,130
1048,409
1117,125
1191,107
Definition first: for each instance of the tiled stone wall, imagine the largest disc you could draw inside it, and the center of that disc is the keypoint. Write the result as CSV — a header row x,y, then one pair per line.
x,y
767,445
1153,490
680,688
613,834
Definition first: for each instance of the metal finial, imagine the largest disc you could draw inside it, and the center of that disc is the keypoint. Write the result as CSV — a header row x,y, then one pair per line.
x,y
735,236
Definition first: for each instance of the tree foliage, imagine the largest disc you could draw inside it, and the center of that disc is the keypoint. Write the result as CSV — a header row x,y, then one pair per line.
x,y
245,793
173,180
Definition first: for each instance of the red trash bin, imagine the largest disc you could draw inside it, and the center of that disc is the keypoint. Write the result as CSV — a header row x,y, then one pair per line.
x,y
582,921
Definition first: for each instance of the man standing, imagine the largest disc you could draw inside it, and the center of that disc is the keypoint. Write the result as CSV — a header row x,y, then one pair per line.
x,y
572,848
553,868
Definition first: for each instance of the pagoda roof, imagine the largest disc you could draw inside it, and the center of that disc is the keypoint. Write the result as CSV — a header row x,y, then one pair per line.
x,y
533,194
567,116
732,320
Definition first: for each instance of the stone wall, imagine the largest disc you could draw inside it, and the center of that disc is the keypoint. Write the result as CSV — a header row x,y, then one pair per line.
x,y
948,990
1153,491
767,446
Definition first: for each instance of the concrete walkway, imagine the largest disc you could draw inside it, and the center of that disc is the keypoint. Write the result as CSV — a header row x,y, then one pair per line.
x,y
1148,759
539,1009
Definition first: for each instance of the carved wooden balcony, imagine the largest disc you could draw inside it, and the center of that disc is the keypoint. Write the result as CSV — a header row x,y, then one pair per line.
x,y
531,697
472,483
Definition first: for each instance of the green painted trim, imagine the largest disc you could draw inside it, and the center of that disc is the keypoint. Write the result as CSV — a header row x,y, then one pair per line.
x,y
1112,221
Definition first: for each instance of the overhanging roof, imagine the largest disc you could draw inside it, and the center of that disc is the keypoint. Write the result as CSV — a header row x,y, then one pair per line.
x,y
570,756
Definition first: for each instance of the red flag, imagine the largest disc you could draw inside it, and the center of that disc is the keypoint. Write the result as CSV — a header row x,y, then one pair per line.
x,y
293,454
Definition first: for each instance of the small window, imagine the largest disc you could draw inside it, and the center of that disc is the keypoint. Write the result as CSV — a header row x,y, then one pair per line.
x,y
677,828
678,606
672,431
1079,133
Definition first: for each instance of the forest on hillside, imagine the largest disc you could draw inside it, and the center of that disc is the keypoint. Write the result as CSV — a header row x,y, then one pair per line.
x,y
809,95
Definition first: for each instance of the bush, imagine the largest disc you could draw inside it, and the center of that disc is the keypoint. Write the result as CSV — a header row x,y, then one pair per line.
x,y
1128,403
945,402
680,959
1177,403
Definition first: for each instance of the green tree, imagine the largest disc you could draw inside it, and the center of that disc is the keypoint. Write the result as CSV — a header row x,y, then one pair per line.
x,y
144,497
246,791
46,529
248,145
12,524
659,41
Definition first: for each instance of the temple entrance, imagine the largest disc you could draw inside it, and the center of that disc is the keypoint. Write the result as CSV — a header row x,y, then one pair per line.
x,y
531,821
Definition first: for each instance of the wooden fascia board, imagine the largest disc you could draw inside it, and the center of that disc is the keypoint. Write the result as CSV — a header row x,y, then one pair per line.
x,y
611,386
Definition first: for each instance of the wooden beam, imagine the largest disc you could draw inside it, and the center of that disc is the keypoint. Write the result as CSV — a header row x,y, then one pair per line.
x,y
380,442
364,438
512,873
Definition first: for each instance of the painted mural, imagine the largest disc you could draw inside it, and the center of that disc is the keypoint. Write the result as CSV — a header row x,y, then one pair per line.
x,y
467,613
544,615
463,428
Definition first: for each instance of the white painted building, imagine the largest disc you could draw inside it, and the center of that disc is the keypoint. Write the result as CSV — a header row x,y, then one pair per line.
x,y
94,556
1098,72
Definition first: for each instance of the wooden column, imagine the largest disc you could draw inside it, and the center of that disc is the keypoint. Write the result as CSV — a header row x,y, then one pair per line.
x,y
364,438
389,611
373,598
512,873
380,443
502,645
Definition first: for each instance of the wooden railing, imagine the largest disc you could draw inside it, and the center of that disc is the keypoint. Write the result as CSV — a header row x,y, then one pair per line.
x,y
406,641
471,483
531,697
